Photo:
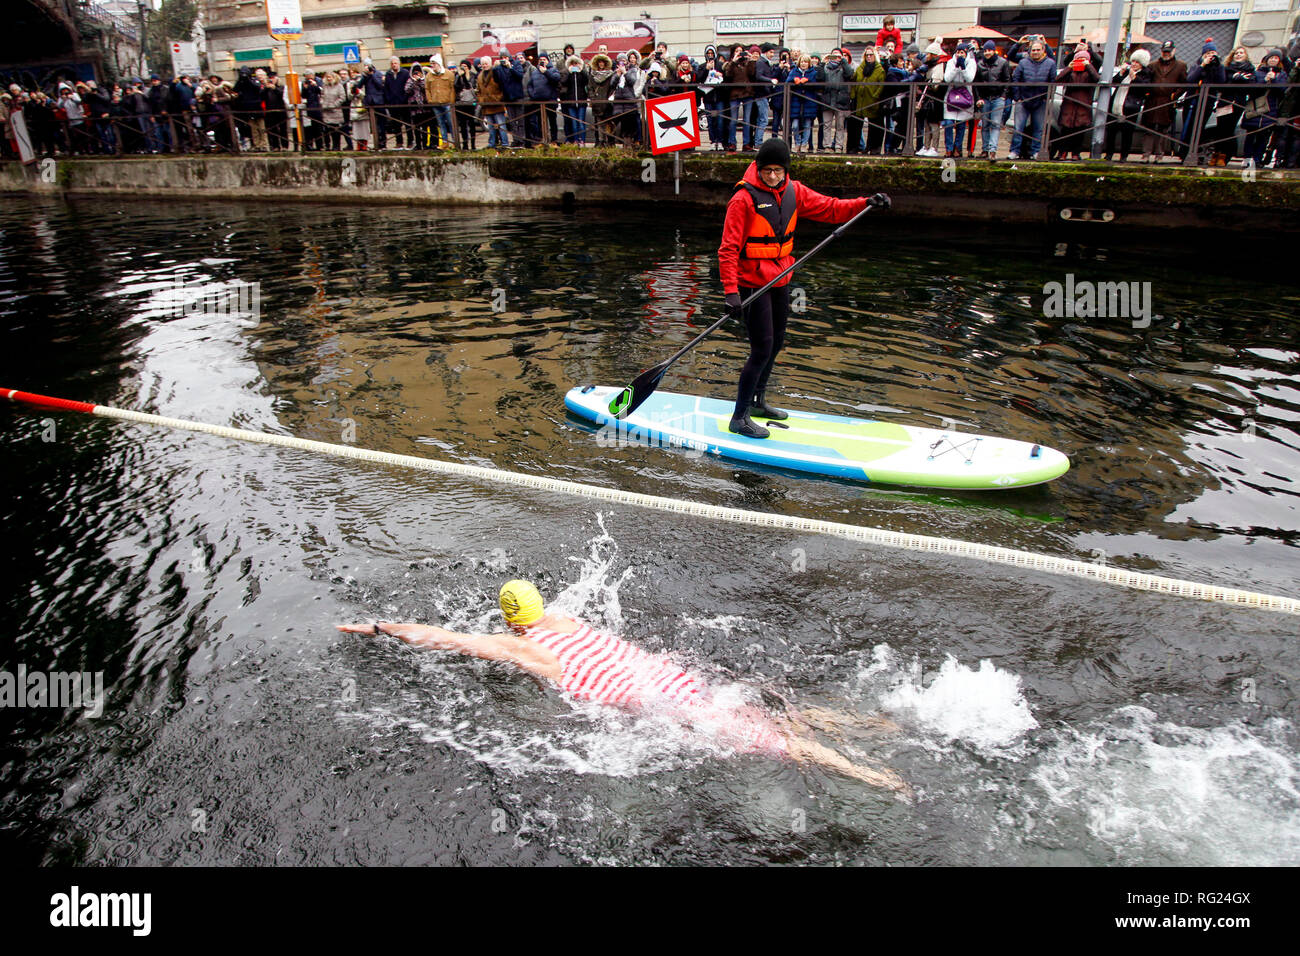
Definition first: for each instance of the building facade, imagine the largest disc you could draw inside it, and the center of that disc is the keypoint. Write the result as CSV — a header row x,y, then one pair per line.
x,y
237,34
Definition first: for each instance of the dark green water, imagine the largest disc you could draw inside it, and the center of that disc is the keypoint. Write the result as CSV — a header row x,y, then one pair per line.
x,y
1042,720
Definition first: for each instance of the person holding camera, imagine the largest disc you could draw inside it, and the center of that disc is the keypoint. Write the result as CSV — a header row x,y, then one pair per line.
x,y
1208,72
418,115
959,101
737,77
371,86
544,90
803,104
492,103
929,108
629,82
660,55
466,88
1262,124
310,91
1076,107
275,97
1132,85
439,95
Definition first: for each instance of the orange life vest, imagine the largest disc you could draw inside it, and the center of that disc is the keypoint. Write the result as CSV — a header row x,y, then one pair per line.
x,y
771,232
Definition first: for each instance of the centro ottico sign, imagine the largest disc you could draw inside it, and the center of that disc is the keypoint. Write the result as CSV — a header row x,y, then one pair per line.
x,y
871,22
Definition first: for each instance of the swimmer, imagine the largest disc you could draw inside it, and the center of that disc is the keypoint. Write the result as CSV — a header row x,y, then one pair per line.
x,y
568,654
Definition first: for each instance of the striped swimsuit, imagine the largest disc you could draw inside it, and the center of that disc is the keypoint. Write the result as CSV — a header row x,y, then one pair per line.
x,y
608,670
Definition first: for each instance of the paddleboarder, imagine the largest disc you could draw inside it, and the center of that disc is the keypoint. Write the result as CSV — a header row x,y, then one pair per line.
x,y
757,244
570,655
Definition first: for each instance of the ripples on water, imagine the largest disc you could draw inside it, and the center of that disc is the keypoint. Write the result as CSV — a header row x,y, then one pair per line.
x,y
1043,720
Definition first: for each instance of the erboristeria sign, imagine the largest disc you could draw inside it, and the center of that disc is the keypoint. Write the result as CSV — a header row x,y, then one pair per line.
x,y
724,26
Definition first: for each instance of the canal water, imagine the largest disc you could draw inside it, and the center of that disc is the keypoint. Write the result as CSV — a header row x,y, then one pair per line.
x,y
1039,720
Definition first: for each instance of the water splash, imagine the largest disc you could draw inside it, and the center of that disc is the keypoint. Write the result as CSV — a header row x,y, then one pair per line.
x,y
983,707
1154,790
591,740
593,597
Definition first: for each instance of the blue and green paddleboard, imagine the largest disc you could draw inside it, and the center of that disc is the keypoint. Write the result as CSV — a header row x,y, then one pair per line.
x,y
882,452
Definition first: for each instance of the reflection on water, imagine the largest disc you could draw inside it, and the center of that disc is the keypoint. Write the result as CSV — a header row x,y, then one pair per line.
x,y
203,578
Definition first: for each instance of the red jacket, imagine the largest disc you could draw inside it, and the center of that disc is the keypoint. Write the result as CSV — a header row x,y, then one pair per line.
x,y
883,36
735,269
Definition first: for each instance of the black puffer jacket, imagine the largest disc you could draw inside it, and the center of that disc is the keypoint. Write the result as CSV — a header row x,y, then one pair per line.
x,y
991,78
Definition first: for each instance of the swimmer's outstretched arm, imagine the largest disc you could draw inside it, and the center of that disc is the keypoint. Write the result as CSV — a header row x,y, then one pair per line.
x,y
523,653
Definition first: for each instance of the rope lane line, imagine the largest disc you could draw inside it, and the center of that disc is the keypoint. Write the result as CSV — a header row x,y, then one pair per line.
x,y
879,536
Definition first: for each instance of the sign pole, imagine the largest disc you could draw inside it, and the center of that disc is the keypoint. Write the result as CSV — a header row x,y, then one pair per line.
x,y
1109,68
284,22
677,173
294,98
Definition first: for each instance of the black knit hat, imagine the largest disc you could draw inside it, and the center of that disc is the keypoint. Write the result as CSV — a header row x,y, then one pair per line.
x,y
774,152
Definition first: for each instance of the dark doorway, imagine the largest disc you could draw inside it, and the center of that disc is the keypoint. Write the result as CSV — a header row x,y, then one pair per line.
x,y
1017,22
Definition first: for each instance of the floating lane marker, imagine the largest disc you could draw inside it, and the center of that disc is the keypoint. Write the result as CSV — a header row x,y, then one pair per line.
x,y
893,539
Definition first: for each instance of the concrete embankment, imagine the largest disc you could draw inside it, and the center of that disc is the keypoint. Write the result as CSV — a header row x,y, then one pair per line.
x,y
1098,194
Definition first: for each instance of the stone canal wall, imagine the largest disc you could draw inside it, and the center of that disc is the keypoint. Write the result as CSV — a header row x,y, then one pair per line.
x,y
1075,193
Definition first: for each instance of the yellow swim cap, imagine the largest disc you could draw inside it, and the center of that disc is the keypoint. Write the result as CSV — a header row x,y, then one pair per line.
x,y
521,603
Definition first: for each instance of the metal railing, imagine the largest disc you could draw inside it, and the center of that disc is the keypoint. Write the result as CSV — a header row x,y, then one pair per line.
x,y
1202,123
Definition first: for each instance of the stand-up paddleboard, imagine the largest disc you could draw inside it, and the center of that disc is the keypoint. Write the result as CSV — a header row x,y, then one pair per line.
x,y
882,452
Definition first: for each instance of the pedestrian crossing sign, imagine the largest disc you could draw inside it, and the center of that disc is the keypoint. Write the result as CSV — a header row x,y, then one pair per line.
x,y
351,53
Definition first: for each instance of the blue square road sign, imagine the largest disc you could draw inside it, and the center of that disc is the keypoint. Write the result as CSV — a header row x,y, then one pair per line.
x,y
351,53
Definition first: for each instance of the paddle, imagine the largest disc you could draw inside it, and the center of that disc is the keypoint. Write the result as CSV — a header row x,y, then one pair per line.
x,y
630,398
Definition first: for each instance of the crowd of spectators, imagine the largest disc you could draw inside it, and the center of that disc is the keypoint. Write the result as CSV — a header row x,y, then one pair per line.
x,y
951,98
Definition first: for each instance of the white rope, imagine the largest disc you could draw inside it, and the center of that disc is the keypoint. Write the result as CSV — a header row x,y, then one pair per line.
x,y
893,539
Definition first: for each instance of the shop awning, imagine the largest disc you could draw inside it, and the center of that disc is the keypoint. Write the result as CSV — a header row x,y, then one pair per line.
x,y
616,45
492,50
975,32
